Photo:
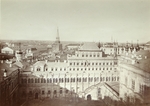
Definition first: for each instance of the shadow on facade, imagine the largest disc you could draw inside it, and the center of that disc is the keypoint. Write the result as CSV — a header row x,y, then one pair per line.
x,y
38,88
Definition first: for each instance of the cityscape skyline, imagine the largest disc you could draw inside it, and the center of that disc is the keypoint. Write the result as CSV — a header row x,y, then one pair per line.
x,y
122,21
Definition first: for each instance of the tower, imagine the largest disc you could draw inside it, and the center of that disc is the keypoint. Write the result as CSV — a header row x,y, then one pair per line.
x,y
57,46
57,37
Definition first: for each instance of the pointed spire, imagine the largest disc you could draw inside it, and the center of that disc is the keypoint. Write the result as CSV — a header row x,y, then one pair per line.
x,y
99,45
57,37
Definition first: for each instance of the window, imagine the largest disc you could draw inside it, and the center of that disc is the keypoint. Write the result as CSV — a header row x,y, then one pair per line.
x,y
133,84
99,63
103,63
82,55
70,63
52,69
90,55
88,63
47,80
86,55
95,63
46,69
60,69
30,93
107,63
38,69
92,63
60,91
49,92
77,63
41,80
43,92
66,91
29,80
55,69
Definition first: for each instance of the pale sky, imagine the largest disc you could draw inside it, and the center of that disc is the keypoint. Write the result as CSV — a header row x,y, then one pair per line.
x,y
77,20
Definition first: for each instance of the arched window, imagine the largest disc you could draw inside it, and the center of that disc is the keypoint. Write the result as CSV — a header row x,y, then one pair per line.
x,y
89,79
94,79
45,67
49,92
38,68
65,79
47,80
41,80
103,78
32,80
50,80
36,80
82,79
25,81
44,80
73,79
60,91
106,78
62,80
85,79
56,80
59,79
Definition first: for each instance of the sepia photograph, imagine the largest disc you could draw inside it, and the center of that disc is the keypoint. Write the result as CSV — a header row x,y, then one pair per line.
x,y
75,53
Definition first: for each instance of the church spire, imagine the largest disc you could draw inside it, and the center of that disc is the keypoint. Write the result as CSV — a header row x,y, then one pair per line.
x,y
57,37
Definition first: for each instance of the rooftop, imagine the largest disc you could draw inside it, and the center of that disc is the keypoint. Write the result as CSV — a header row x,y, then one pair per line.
x,y
90,46
5,66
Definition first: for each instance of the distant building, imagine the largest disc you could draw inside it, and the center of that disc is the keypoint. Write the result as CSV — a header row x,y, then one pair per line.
x,y
75,76
73,46
147,46
57,46
7,50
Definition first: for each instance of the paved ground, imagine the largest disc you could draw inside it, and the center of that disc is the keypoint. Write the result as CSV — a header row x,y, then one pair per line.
x,y
57,102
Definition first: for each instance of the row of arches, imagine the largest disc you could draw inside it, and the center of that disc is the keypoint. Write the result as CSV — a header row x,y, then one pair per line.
x,y
67,80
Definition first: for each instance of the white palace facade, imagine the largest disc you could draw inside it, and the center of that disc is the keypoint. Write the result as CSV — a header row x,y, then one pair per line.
x,y
84,73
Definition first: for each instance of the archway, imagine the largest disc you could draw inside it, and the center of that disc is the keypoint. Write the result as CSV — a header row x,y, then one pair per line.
x,y
36,95
55,93
89,97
